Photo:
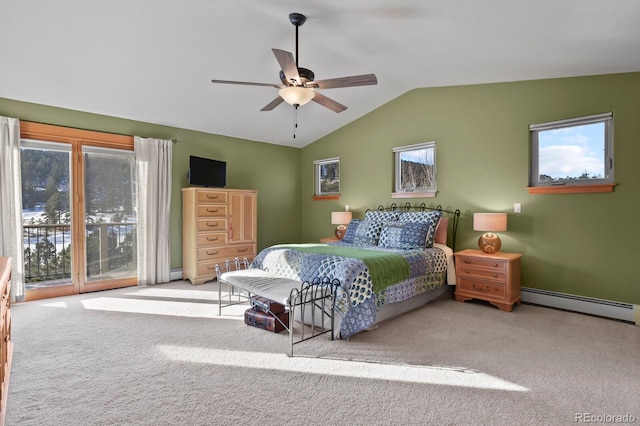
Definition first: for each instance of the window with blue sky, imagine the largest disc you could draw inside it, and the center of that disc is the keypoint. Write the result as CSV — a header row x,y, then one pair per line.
x,y
576,151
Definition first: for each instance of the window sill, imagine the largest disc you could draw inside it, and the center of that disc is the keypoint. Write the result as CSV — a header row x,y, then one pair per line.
x,y
326,197
581,189
413,194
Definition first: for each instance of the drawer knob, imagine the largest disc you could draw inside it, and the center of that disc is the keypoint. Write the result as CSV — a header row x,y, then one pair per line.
x,y
213,197
467,261
495,265
242,249
466,270
475,287
213,224
495,275
212,210
210,253
212,238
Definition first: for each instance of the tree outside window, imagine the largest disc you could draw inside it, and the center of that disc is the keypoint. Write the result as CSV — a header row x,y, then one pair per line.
x,y
416,169
327,176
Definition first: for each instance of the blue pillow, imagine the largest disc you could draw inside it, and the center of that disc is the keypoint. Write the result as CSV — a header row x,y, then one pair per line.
x,y
431,216
362,232
404,235
382,216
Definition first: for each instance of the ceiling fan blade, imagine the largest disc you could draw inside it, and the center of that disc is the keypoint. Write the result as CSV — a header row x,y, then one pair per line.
x,y
274,103
247,83
287,64
328,102
355,80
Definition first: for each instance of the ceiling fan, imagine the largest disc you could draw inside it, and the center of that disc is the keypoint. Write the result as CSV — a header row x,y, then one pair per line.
x,y
298,86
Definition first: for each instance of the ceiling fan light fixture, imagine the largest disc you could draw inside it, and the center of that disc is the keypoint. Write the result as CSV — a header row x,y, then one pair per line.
x,y
296,95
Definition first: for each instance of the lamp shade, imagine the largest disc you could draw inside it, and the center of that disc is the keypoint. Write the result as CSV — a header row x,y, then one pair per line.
x,y
490,222
340,218
296,95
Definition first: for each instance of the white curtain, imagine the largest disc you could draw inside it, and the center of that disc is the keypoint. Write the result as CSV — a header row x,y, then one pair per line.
x,y
11,203
153,169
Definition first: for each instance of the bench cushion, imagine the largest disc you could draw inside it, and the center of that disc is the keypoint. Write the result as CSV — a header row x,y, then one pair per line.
x,y
262,283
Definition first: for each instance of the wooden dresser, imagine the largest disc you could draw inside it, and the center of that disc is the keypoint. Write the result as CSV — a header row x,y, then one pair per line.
x,y
6,346
217,224
494,277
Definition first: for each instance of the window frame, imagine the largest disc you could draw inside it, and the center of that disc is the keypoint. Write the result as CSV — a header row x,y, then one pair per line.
x,y
604,184
421,192
317,165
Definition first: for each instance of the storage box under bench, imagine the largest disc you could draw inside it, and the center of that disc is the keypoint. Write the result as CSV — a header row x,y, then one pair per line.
x,y
266,320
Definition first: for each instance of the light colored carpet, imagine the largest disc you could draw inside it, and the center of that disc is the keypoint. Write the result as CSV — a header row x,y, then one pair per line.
x,y
160,356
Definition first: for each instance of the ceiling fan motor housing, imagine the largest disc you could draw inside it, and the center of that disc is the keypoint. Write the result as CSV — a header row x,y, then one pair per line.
x,y
306,76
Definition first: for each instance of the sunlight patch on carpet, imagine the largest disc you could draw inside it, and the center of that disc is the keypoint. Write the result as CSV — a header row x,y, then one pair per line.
x,y
447,376
164,307
56,305
174,293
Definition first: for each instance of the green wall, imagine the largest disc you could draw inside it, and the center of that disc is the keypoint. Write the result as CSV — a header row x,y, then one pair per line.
x,y
273,170
584,244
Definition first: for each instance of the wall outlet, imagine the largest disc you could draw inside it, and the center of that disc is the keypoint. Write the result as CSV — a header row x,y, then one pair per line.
x,y
517,208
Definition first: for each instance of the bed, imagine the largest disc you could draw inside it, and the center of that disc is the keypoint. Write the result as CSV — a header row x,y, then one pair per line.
x,y
390,262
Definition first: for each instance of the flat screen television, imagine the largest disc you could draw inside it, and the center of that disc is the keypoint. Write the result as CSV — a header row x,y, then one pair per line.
x,y
207,172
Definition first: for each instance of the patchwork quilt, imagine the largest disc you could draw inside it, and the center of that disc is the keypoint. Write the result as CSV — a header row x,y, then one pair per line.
x,y
370,277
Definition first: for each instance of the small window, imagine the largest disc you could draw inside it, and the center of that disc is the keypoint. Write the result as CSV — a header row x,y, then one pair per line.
x,y
574,152
327,181
415,167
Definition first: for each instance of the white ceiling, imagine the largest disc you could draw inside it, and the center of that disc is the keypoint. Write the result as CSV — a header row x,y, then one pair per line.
x,y
152,60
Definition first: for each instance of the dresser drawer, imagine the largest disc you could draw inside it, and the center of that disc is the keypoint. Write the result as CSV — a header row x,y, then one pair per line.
x,y
211,210
212,239
497,275
495,264
482,288
208,197
229,252
212,224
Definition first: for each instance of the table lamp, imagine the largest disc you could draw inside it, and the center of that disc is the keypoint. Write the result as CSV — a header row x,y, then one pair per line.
x,y
341,219
489,223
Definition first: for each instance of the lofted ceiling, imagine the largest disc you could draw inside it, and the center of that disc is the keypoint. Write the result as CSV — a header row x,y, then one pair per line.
x,y
153,60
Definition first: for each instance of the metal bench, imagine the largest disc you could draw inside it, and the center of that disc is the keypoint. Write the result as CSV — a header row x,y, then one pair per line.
x,y
309,303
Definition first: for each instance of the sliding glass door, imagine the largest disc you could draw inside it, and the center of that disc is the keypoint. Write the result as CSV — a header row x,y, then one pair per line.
x,y
110,220
46,215
79,217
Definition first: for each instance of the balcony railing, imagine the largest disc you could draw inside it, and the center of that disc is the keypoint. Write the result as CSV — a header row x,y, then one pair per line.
x,y
110,247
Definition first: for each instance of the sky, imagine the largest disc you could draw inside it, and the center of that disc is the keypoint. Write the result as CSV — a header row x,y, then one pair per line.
x,y
569,152
420,155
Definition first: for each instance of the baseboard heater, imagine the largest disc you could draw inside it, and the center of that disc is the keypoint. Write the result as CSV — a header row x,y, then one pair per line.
x,y
175,274
587,305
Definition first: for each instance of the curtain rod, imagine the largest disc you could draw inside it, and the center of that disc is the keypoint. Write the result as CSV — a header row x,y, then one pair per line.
x,y
174,140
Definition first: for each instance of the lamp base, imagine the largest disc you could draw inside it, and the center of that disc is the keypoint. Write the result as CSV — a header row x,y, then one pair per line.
x,y
340,231
489,243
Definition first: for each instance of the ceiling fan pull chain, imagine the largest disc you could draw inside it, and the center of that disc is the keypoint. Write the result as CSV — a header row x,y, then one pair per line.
x,y
295,120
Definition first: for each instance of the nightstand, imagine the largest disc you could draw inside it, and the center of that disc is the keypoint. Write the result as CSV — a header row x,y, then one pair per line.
x,y
494,277
329,240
